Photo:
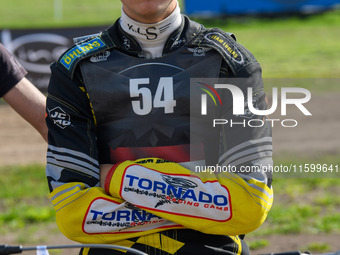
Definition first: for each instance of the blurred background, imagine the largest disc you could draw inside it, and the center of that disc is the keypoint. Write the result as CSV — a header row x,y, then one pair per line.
x,y
297,43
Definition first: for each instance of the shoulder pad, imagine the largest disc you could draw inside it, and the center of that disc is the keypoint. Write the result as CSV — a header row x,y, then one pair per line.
x,y
233,53
85,47
80,39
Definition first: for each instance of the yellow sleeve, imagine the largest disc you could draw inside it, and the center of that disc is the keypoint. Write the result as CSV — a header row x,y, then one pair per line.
x,y
89,215
223,204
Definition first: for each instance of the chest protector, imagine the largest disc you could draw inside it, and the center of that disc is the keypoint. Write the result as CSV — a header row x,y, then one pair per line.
x,y
142,106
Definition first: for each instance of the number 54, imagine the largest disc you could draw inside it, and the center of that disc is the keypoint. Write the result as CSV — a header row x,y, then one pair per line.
x,y
164,96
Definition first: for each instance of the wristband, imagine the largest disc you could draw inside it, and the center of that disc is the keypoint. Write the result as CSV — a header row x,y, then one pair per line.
x,y
109,178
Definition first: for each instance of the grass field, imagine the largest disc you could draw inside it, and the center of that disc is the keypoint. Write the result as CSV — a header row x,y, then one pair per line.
x,y
299,47
285,47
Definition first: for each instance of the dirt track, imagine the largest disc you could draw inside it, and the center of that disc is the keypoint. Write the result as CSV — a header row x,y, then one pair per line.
x,y
19,142
315,136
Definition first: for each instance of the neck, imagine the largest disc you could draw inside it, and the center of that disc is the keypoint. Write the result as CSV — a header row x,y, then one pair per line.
x,y
152,37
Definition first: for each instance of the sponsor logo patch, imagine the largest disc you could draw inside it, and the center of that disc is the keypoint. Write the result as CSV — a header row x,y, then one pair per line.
x,y
107,216
198,51
176,194
226,45
81,50
60,117
126,42
100,57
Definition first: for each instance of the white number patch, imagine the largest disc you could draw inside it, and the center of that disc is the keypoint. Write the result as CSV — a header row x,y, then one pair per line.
x,y
164,96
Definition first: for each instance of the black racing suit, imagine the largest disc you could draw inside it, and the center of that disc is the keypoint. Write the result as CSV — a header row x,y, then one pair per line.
x,y
108,104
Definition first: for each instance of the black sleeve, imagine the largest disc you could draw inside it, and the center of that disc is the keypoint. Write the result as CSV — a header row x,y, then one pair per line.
x,y
246,139
11,71
72,150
